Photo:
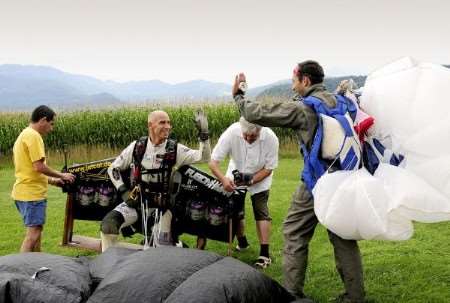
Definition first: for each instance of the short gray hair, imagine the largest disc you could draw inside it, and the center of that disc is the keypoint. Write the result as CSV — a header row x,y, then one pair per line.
x,y
248,127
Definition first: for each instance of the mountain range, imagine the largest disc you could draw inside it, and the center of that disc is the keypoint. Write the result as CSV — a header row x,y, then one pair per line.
x,y
23,87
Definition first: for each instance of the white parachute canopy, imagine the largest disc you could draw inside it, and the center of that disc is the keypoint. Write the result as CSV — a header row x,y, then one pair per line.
x,y
410,102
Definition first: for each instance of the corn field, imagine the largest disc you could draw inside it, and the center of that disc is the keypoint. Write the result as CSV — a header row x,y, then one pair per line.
x,y
116,128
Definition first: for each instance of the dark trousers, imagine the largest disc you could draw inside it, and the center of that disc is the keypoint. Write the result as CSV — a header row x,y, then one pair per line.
x,y
298,229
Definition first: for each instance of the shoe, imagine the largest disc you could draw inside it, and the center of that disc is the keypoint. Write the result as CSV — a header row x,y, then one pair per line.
x,y
238,248
263,262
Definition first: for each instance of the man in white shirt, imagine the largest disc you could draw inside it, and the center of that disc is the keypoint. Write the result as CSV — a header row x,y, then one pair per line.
x,y
253,152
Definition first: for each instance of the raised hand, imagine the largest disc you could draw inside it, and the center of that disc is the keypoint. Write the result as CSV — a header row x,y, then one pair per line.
x,y
240,85
201,123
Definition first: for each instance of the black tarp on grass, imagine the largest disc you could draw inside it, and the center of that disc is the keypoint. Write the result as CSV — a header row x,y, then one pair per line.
x,y
150,275
165,274
172,274
228,280
102,264
40,277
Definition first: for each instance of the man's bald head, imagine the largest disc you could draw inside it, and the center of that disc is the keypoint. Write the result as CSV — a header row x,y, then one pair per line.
x,y
157,115
158,126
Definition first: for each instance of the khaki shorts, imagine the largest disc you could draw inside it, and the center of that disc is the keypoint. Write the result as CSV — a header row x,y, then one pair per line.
x,y
260,206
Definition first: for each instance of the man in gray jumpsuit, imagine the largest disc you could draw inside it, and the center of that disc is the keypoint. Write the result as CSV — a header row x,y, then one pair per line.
x,y
301,221
151,177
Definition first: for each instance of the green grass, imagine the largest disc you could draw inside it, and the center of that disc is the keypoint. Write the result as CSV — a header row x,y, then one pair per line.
x,y
417,270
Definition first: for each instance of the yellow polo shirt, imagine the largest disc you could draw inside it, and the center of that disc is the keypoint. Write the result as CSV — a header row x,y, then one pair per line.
x,y
30,185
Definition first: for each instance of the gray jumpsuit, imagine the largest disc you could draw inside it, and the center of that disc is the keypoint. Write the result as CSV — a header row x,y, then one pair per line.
x,y
300,222
152,160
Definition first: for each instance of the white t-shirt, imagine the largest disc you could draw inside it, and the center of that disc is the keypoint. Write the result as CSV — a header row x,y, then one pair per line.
x,y
248,158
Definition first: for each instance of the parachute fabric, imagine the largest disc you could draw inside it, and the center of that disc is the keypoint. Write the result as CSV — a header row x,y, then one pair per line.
x,y
409,102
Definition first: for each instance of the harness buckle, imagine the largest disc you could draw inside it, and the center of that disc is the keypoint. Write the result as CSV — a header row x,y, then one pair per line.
x,y
135,193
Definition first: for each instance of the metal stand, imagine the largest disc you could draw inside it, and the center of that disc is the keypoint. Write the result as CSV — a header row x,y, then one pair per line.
x,y
85,242
230,235
69,239
68,221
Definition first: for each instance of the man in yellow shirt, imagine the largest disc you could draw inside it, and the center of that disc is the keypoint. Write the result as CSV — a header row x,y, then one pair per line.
x,y
33,176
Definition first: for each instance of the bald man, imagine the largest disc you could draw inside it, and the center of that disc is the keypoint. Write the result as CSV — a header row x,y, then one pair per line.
x,y
150,162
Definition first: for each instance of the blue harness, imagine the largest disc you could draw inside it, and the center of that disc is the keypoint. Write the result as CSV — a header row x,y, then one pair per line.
x,y
314,165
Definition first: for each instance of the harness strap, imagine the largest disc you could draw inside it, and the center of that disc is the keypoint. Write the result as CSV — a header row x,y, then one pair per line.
x,y
164,171
314,165
138,155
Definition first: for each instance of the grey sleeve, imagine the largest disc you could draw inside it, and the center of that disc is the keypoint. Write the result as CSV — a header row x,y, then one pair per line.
x,y
272,153
121,163
289,114
185,155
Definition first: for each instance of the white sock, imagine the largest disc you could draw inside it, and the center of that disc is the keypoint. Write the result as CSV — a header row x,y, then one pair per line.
x,y
165,237
108,240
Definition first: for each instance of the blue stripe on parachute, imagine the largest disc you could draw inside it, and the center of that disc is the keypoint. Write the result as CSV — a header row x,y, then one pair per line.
x,y
380,147
350,160
371,161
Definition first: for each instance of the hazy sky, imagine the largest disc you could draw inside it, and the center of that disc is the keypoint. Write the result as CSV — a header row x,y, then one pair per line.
x,y
182,40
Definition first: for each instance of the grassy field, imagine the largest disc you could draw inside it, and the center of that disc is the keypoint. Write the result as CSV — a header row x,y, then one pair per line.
x,y
417,270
